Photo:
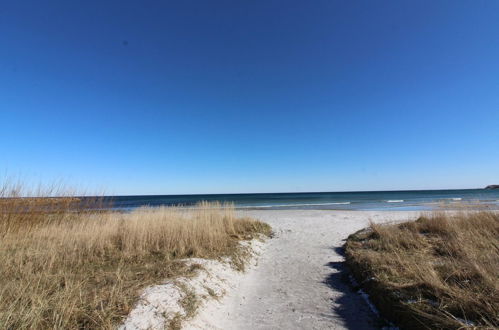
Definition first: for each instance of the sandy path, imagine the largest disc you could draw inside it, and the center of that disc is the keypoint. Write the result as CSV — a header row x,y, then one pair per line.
x,y
299,282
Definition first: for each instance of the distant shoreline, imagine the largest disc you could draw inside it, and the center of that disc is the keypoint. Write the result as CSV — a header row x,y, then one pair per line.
x,y
407,200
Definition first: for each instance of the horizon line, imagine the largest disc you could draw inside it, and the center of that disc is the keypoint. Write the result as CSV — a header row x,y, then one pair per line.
x,y
293,192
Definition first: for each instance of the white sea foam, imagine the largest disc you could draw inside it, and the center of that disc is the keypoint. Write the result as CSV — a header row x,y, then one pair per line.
x,y
456,198
339,203
395,201
286,205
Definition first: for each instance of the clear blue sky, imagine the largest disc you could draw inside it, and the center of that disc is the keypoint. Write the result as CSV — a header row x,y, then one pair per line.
x,y
159,97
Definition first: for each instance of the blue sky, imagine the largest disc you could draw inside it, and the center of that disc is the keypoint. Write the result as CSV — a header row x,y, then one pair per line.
x,y
160,97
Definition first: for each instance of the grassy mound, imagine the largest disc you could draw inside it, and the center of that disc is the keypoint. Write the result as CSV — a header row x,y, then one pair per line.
x,y
70,268
440,271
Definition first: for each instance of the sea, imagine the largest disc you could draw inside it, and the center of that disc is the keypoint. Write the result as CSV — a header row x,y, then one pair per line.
x,y
403,200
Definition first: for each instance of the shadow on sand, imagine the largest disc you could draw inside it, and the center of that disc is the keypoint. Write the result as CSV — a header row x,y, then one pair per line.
x,y
350,307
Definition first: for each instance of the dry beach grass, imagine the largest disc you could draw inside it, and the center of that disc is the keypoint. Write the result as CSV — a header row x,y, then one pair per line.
x,y
440,271
66,268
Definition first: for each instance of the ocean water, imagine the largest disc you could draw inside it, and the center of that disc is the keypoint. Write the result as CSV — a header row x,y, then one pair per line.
x,y
365,200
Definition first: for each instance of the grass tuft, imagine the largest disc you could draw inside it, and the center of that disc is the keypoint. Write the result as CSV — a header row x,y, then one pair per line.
x,y
440,271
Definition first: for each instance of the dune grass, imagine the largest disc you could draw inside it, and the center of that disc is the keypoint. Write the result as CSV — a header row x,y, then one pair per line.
x,y
439,272
67,267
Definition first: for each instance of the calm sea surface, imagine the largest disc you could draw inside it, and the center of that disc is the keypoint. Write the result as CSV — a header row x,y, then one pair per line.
x,y
368,200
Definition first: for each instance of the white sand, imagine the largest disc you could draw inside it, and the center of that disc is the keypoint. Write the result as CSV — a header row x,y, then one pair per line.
x,y
160,304
297,282
300,281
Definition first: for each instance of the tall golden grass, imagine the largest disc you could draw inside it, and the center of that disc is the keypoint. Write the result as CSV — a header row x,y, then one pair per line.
x,y
441,271
67,267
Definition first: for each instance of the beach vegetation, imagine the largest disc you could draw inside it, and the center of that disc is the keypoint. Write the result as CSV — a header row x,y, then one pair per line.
x,y
438,272
68,262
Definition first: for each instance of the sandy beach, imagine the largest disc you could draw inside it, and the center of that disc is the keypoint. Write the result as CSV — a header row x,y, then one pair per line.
x,y
299,281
